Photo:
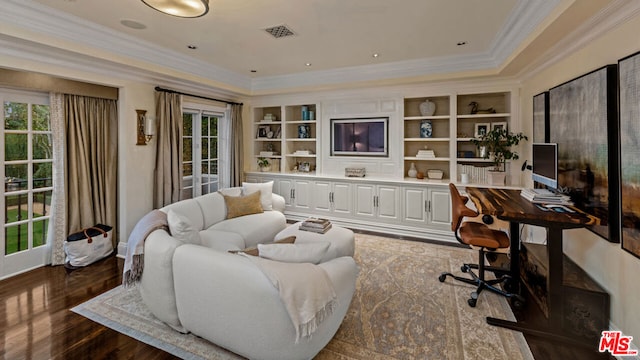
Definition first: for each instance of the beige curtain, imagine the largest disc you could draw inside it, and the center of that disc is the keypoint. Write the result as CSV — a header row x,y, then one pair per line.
x,y
57,233
92,153
237,154
168,168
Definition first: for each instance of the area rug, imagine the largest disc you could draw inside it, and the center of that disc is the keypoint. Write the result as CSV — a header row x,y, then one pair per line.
x,y
399,311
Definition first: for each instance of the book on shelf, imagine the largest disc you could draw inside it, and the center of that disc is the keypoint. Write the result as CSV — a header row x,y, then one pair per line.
x,y
426,154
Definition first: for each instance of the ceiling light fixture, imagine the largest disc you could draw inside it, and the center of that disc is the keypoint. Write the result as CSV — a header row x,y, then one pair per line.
x,y
375,55
308,64
461,43
180,8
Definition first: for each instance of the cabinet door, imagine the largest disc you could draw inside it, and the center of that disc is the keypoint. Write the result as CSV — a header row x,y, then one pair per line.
x,y
388,202
364,200
415,205
302,194
440,207
341,198
285,189
322,196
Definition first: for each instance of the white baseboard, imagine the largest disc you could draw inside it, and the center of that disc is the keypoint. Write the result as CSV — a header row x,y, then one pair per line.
x,y
122,249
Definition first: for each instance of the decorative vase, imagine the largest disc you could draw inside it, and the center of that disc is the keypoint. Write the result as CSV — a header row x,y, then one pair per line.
x,y
265,168
413,172
427,108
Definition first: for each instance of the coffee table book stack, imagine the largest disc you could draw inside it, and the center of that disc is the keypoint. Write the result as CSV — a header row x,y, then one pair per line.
x,y
316,225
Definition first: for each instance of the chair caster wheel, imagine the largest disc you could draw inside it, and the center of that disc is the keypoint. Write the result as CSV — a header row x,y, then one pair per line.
x,y
517,302
472,302
464,268
442,277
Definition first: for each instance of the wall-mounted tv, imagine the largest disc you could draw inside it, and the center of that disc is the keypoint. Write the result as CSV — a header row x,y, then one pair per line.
x,y
360,137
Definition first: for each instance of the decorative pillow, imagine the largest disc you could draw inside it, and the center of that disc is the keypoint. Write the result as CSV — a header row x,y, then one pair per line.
x,y
254,250
243,205
182,229
265,189
295,253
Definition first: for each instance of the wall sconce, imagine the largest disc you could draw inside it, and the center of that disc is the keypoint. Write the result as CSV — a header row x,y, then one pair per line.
x,y
146,127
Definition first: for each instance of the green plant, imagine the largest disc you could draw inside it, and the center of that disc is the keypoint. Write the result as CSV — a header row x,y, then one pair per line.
x,y
263,162
498,143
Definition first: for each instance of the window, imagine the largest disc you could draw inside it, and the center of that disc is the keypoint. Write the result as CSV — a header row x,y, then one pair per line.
x,y
27,170
202,166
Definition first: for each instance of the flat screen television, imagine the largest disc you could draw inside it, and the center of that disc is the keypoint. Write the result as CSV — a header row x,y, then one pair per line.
x,y
545,164
360,137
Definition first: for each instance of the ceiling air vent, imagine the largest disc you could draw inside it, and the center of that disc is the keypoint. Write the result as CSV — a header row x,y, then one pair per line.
x,y
279,31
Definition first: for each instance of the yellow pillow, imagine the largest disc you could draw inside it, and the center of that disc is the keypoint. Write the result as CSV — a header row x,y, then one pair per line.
x,y
254,250
243,205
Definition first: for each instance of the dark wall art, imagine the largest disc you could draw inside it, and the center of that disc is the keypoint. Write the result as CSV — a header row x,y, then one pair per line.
x,y
629,71
583,121
541,118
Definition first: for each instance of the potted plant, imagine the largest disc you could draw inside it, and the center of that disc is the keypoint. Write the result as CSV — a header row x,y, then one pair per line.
x,y
264,164
497,145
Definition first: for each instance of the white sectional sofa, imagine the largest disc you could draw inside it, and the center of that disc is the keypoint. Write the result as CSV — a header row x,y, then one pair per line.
x,y
223,297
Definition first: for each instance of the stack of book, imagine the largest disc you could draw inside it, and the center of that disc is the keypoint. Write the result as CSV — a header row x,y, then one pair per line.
x,y
544,196
426,154
316,225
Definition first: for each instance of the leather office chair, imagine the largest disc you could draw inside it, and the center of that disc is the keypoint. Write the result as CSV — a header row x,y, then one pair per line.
x,y
484,239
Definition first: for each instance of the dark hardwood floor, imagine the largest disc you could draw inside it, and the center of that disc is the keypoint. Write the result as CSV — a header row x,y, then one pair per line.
x,y
36,323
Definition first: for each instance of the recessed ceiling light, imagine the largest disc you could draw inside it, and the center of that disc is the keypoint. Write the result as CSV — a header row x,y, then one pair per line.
x,y
254,71
133,24
461,43
375,55
192,47
308,64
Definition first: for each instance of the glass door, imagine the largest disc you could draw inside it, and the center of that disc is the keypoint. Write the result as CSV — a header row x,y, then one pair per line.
x,y
27,171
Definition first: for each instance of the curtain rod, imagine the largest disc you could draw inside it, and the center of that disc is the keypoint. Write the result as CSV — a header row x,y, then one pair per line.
x,y
158,88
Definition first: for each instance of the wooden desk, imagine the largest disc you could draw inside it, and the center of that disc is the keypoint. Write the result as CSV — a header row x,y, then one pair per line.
x,y
508,205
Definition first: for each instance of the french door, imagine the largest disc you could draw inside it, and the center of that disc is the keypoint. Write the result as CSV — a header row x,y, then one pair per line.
x,y
200,156
26,155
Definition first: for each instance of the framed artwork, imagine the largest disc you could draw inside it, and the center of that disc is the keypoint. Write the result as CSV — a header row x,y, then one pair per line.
x,y
629,82
541,118
481,129
263,130
499,125
583,121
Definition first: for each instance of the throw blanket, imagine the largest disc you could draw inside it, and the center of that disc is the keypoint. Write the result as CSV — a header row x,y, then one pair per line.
x,y
305,290
134,260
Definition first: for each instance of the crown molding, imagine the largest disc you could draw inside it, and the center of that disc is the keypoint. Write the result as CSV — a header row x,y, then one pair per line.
x,y
80,44
523,21
42,20
617,13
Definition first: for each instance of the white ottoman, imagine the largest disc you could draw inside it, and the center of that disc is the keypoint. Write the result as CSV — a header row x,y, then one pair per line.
x,y
341,239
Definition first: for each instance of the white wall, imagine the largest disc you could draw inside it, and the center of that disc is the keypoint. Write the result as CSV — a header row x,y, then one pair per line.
x,y
607,263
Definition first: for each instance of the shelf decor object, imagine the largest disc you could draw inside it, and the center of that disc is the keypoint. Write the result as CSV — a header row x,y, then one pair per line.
x,y
426,129
427,108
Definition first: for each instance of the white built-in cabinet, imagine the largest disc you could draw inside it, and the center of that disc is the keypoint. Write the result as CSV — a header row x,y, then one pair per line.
x,y
407,208
332,197
430,206
377,201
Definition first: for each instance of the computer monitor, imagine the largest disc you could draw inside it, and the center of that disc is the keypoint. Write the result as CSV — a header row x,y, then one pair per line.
x,y
545,164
